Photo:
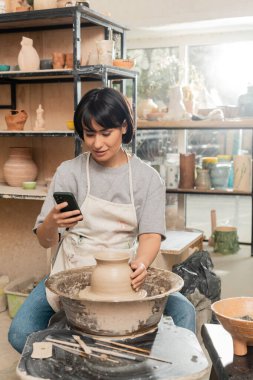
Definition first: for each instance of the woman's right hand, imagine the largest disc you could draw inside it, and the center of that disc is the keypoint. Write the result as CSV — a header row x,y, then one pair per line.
x,y
48,231
66,219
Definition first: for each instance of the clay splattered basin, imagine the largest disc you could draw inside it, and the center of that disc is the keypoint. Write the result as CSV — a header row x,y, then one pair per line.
x,y
236,316
113,318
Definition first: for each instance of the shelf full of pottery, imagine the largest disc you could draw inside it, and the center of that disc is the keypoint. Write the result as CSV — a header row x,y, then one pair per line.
x,y
224,174
20,176
83,42
53,68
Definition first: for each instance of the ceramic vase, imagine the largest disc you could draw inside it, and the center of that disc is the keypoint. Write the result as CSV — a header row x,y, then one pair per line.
x,y
105,50
172,170
19,167
209,162
110,279
242,173
69,61
203,179
15,120
58,60
177,109
28,58
111,276
219,175
187,171
145,107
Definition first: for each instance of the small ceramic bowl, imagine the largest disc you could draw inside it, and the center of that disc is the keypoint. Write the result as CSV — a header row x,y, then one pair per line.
x,y
70,125
4,67
29,185
124,63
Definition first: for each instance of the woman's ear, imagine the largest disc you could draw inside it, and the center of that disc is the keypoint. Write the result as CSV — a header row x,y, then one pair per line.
x,y
124,127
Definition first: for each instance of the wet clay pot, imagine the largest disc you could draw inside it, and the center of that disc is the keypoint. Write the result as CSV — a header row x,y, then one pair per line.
x,y
19,167
236,316
113,318
16,119
110,279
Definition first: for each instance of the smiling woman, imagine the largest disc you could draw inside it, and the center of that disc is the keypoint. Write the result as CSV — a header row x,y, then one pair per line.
x,y
122,203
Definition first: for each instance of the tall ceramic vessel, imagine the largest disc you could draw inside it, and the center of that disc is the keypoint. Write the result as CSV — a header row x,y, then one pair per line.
x,y
19,167
187,171
28,58
242,172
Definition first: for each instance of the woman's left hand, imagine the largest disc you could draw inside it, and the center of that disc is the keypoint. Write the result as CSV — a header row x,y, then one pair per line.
x,y
139,274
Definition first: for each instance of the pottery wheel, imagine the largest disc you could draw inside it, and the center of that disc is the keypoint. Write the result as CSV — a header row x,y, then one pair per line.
x,y
88,294
176,345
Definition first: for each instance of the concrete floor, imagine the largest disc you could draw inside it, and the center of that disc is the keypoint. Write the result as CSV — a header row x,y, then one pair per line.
x,y
237,280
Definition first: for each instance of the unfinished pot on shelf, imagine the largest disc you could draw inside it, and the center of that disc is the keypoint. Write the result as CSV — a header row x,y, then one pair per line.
x,y
28,58
19,167
15,120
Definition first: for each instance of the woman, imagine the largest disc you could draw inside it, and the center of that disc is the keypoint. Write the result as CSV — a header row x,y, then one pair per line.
x,y
121,200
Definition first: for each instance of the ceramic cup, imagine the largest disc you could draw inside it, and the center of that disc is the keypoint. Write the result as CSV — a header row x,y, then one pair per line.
x,y
68,61
105,50
58,59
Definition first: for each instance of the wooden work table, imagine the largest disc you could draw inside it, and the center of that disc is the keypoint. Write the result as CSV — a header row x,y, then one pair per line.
x,y
177,247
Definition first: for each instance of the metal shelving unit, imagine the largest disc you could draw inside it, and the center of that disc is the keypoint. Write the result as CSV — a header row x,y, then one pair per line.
x,y
73,18
186,125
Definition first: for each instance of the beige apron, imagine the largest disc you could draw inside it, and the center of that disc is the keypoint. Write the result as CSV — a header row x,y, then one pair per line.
x,y
106,225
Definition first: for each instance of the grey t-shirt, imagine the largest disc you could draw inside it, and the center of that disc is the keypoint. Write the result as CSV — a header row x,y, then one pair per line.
x,y
112,184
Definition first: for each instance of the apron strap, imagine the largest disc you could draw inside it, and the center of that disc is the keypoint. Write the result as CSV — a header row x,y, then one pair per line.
x,y
130,179
88,173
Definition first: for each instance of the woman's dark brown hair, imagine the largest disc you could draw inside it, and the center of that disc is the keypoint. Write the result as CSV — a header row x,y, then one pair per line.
x,y
108,107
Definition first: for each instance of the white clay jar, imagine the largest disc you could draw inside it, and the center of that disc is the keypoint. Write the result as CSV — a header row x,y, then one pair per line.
x,y
44,4
28,58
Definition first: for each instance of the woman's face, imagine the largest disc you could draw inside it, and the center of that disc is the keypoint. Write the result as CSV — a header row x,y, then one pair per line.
x,y
105,144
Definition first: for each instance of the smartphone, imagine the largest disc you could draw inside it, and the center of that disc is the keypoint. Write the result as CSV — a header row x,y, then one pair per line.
x,y
61,197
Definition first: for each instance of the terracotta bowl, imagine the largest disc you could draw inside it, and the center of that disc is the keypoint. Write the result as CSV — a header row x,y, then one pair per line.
x,y
113,318
124,63
236,316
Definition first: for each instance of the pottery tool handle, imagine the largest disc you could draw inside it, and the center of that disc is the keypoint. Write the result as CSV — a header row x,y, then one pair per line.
x,y
213,220
84,346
